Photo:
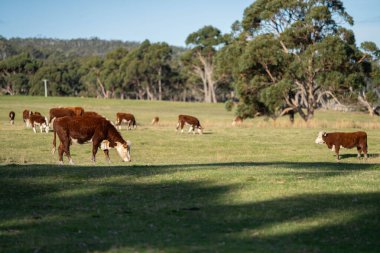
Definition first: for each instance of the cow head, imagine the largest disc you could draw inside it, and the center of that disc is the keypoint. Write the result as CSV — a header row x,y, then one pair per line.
x,y
320,137
124,150
200,130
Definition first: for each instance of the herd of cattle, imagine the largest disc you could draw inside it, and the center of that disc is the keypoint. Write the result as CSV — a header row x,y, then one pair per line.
x,y
74,125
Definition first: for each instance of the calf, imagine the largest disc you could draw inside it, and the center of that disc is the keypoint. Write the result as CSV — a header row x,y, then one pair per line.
x,y
12,115
59,113
125,118
237,121
96,129
25,116
155,120
335,141
38,120
189,120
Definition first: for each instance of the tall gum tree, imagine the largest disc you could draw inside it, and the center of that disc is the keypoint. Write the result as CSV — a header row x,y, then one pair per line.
x,y
294,47
204,44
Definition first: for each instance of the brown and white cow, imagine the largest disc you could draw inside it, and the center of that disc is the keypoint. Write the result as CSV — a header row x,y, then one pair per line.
x,y
59,113
155,120
127,118
237,121
91,114
25,116
12,115
98,130
189,120
78,111
337,140
38,120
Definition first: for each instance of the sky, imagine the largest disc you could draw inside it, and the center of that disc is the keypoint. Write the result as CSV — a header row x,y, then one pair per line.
x,y
168,21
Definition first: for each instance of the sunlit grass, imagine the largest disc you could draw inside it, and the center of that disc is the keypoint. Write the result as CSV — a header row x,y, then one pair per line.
x,y
264,186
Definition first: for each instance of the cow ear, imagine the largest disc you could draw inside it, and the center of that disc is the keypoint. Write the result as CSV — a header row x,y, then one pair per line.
x,y
324,134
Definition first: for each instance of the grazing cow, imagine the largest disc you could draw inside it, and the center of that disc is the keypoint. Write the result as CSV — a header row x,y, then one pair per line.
x,y
237,121
155,120
12,115
78,111
335,141
91,114
59,112
125,118
25,116
189,120
38,120
98,130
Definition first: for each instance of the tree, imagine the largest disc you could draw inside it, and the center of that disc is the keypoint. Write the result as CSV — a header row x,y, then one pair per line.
x,y
293,55
200,59
15,72
158,59
369,95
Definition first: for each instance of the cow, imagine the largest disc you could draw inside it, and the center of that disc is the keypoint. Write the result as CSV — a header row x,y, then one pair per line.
x,y
25,116
237,121
91,114
337,140
96,129
38,120
12,115
189,120
78,111
155,120
59,112
125,118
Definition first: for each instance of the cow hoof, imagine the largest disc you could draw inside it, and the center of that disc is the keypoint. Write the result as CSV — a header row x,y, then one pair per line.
x,y
60,162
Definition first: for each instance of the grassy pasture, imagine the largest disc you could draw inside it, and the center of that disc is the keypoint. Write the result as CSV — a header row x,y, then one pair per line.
x,y
261,187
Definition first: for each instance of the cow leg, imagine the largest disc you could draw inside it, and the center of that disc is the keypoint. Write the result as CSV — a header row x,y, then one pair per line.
x,y
107,154
34,128
337,152
182,125
95,146
60,153
359,151
67,151
365,151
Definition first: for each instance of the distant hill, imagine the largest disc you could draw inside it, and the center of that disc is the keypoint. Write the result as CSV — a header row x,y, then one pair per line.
x,y
73,47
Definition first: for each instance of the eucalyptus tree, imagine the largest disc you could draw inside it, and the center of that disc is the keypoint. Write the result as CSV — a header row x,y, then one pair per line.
x,y
369,96
292,54
63,79
157,60
15,72
200,59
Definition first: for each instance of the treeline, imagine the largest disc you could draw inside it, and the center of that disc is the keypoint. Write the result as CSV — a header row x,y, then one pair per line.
x,y
95,68
283,57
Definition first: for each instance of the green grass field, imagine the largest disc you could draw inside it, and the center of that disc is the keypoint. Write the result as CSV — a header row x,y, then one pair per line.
x,y
262,187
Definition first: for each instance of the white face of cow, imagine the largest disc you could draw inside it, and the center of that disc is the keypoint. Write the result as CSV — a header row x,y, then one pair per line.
x,y
124,151
319,139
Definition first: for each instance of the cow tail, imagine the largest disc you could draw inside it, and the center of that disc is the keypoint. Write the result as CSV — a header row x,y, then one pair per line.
x,y
54,141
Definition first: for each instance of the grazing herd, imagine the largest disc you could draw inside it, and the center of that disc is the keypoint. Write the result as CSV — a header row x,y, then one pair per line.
x,y
74,125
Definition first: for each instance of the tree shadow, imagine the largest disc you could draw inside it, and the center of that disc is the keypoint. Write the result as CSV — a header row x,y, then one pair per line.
x,y
86,209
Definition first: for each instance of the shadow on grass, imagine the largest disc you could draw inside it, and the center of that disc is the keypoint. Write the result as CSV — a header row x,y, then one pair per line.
x,y
80,209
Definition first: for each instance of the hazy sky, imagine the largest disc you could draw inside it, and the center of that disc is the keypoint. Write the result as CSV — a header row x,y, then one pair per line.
x,y
136,20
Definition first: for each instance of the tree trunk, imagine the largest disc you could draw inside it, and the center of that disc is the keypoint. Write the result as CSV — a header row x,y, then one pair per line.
x,y
102,89
159,84
362,98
